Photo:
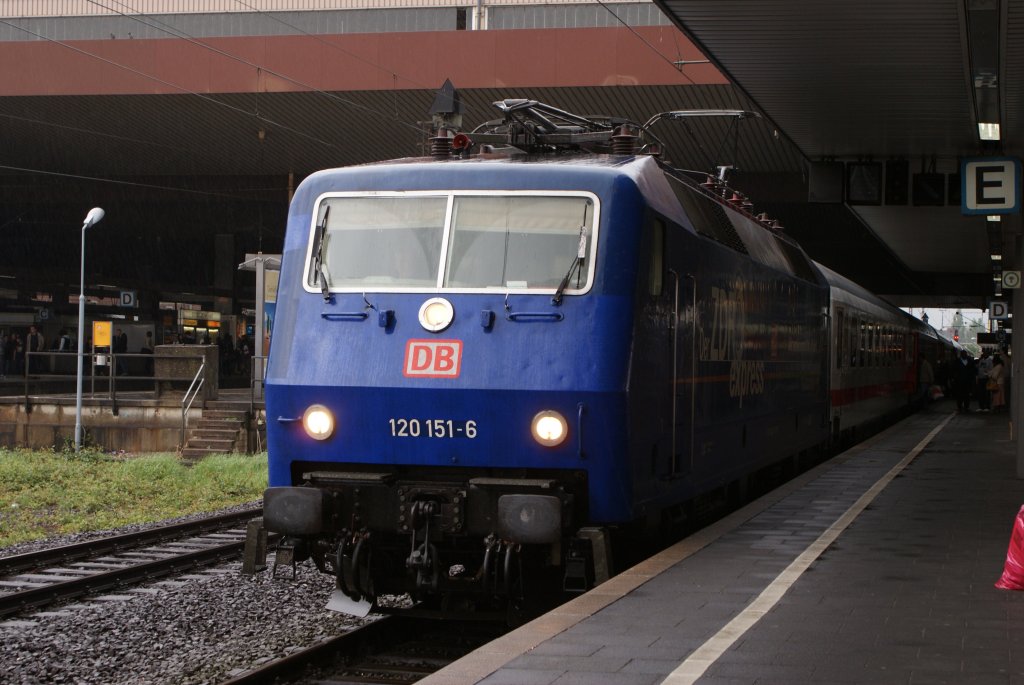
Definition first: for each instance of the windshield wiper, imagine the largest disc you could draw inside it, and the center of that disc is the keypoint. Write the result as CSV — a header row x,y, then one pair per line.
x,y
319,237
575,267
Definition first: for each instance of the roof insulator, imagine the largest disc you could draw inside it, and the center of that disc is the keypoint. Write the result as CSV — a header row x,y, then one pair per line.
x,y
624,140
441,145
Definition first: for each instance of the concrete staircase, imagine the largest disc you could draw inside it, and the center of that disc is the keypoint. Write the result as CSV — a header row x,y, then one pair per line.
x,y
221,429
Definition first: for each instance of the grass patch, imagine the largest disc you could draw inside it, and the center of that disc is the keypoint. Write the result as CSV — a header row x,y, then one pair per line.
x,y
46,493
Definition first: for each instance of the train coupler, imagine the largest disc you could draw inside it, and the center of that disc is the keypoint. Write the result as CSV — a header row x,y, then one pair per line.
x,y
423,558
353,591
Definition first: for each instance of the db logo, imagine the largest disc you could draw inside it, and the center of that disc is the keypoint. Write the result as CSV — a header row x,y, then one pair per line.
x,y
433,358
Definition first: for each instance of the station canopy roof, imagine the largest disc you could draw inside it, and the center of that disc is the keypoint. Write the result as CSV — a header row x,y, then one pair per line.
x,y
903,81
887,81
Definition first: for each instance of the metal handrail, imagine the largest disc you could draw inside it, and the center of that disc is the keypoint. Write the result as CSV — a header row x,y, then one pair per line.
x,y
90,371
257,380
197,383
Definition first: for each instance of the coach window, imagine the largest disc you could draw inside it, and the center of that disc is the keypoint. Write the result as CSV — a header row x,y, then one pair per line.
x,y
869,344
840,338
862,342
854,341
876,344
883,345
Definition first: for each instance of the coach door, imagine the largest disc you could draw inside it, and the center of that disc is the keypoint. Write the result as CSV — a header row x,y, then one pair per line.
x,y
684,363
681,290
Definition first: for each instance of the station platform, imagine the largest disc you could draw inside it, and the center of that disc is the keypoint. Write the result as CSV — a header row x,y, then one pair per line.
x,y
878,566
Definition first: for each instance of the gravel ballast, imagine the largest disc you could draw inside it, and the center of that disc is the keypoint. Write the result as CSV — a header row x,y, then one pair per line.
x,y
200,628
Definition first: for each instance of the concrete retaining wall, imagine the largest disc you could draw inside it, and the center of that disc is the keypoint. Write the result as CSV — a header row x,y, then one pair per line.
x,y
142,426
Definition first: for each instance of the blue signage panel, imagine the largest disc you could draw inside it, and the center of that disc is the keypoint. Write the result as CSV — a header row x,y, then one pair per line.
x,y
990,185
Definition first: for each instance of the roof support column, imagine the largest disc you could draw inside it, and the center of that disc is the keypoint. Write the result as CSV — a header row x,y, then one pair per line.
x,y
1016,357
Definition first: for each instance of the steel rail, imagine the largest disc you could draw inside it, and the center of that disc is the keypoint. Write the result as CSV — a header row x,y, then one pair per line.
x,y
119,543
21,600
395,649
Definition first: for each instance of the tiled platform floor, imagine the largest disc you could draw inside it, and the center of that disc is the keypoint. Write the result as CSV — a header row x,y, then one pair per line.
x,y
911,543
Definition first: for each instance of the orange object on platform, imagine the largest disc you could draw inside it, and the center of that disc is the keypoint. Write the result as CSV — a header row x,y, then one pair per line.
x,y
1013,571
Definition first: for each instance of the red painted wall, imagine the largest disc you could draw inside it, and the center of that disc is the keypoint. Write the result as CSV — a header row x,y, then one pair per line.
x,y
471,59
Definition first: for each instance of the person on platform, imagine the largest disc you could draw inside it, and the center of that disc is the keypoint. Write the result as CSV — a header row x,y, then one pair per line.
x,y
35,342
998,375
965,373
926,380
64,342
10,346
120,346
981,391
147,348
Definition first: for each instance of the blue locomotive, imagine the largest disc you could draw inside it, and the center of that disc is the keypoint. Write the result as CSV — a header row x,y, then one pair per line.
x,y
489,364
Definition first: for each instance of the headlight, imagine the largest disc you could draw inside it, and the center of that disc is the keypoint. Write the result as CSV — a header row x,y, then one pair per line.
x,y
549,428
436,314
318,422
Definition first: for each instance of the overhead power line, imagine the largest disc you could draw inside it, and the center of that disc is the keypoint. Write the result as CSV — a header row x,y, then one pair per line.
x,y
221,103
151,22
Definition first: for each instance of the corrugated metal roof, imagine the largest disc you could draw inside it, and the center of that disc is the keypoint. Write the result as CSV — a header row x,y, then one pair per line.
x,y
875,77
303,132
878,80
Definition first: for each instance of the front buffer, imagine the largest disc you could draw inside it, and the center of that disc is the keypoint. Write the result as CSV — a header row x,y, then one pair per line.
x,y
438,534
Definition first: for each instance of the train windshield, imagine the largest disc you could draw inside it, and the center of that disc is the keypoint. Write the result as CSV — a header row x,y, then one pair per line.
x,y
382,241
455,241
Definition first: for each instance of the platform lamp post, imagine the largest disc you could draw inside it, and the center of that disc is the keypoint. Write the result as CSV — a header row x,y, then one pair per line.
x,y
92,218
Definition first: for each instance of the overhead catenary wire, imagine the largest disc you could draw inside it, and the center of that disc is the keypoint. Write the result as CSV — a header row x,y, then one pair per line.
x,y
334,46
151,22
94,132
135,15
645,42
114,181
169,84
166,28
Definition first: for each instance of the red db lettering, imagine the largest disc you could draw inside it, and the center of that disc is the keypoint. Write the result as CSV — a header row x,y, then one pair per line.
x,y
445,359
433,359
421,358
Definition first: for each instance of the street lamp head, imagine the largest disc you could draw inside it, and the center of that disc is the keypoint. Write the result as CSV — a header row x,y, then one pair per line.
x,y
93,217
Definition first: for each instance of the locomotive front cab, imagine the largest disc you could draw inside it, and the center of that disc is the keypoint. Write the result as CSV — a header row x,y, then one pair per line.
x,y
428,398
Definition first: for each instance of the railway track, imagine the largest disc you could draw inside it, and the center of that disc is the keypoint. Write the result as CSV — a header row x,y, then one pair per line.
x,y
37,579
393,650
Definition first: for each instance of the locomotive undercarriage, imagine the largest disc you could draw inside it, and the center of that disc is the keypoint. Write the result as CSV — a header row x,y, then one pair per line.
x,y
482,541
